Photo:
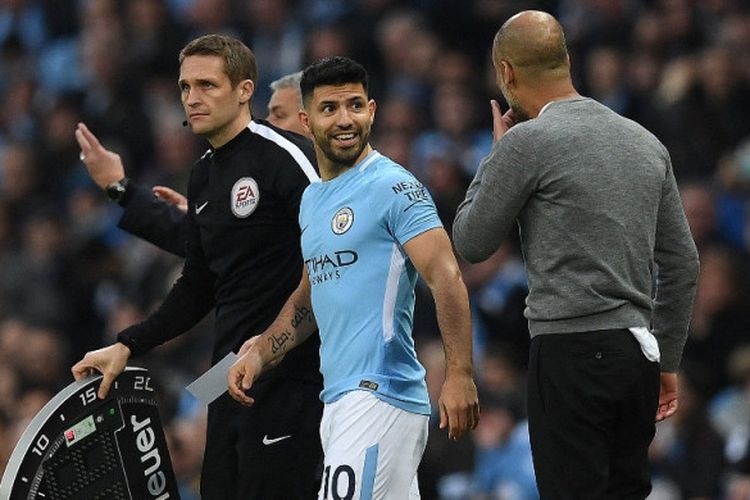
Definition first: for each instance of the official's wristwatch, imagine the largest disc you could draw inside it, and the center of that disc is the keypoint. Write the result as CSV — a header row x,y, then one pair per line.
x,y
116,190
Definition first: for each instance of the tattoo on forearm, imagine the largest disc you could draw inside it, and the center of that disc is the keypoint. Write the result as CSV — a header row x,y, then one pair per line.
x,y
301,314
278,342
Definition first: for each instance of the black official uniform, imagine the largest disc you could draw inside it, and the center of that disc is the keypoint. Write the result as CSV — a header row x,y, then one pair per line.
x,y
153,219
244,259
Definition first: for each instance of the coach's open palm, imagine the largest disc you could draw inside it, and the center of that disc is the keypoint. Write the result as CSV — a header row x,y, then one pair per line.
x,y
459,405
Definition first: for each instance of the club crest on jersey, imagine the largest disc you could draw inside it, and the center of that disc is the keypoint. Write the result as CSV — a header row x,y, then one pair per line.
x,y
244,197
342,220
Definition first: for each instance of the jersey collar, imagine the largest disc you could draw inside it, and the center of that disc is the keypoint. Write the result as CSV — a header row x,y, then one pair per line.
x,y
367,161
567,99
233,143
357,168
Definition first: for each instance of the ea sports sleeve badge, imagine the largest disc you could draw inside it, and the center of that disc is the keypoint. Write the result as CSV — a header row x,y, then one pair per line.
x,y
79,446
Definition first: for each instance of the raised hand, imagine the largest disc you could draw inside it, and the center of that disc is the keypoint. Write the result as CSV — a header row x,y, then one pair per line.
x,y
501,123
104,166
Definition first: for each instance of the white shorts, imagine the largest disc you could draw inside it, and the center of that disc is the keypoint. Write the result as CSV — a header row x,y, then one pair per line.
x,y
372,449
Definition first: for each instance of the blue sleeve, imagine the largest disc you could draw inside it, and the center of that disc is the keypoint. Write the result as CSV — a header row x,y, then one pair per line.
x,y
409,209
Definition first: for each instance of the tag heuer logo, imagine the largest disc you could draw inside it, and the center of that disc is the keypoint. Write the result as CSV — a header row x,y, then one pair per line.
x,y
342,220
244,197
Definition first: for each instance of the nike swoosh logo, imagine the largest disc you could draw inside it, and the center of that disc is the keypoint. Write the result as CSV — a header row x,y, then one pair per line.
x,y
267,441
303,230
199,209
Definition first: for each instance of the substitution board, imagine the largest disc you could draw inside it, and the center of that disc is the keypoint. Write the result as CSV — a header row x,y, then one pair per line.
x,y
82,447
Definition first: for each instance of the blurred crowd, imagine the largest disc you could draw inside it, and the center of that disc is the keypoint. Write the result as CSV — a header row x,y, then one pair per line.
x,y
70,280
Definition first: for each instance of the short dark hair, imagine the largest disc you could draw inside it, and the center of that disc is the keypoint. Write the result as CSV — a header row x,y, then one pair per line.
x,y
331,71
239,60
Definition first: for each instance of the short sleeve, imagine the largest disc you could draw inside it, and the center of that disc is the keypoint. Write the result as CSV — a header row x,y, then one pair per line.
x,y
407,205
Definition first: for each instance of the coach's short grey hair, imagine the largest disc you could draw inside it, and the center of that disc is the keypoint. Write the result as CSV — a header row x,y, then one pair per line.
x,y
287,81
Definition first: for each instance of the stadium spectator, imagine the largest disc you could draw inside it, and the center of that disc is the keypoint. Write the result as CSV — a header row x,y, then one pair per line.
x,y
503,465
446,467
687,451
698,201
721,315
729,411
277,37
456,134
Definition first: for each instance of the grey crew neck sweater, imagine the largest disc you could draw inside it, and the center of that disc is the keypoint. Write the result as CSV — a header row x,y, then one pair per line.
x,y
600,220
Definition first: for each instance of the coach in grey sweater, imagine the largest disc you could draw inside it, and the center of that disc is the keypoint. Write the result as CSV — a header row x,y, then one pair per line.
x,y
600,220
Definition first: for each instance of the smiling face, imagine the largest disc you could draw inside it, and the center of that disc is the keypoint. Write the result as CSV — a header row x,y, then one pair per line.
x,y
214,107
340,118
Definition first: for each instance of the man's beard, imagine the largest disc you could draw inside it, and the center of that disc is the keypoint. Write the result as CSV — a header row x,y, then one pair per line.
x,y
344,157
519,114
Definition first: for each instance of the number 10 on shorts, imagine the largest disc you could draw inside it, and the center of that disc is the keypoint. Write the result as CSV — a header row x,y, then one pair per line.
x,y
340,484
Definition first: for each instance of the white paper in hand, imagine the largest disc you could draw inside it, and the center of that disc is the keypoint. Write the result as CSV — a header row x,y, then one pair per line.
x,y
213,383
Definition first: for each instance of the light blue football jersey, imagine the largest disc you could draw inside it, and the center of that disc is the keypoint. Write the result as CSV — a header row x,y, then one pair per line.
x,y
362,281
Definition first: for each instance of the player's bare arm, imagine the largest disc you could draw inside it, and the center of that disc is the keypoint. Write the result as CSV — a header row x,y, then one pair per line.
x,y
294,324
433,257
